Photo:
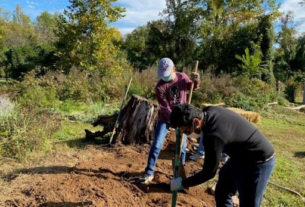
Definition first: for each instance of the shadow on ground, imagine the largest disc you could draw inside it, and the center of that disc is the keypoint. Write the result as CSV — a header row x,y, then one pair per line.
x,y
299,154
66,204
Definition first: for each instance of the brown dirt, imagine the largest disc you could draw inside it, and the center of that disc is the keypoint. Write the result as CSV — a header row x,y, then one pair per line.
x,y
99,176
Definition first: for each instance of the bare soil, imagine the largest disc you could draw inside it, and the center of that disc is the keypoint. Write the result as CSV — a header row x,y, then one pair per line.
x,y
99,176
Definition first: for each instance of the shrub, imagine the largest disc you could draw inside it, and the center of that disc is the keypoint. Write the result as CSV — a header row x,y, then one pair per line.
x,y
25,130
214,89
256,94
144,83
37,92
240,92
290,90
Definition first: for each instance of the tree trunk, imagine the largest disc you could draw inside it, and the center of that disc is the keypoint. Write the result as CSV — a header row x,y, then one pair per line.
x,y
136,122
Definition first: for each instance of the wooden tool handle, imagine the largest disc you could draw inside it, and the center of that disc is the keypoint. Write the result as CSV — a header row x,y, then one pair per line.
x,y
192,86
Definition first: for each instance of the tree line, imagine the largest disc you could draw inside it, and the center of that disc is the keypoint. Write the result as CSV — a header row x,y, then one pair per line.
x,y
231,37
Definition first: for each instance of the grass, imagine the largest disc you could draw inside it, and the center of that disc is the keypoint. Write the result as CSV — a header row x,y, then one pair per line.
x,y
83,111
286,130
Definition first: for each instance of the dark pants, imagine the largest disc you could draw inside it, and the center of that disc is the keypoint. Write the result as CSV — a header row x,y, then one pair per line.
x,y
250,180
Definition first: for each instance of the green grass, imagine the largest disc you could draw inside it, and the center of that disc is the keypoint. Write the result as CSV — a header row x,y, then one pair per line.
x,y
80,116
286,130
72,134
83,111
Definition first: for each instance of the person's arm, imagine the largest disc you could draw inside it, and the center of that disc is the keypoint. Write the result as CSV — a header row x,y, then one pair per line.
x,y
165,109
213,149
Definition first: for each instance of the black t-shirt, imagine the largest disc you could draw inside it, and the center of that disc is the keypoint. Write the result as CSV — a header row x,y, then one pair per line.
x,y
228,132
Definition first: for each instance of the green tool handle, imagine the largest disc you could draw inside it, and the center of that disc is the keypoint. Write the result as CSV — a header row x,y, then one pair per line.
x,y
176,164
117,119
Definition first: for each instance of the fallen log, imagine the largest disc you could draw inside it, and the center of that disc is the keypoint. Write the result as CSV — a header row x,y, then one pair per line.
x,y
136,123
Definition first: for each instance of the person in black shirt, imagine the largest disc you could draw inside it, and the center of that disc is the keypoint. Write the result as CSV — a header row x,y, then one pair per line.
x,y
251,154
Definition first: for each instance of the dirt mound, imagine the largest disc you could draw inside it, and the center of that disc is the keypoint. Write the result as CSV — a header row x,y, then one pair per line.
x,y
98,176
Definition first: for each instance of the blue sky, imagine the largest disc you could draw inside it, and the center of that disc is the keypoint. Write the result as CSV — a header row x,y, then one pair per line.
x,y
138,12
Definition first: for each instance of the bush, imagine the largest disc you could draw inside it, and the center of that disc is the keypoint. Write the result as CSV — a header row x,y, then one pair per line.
x,y
214,89
290,90
240,92
144,83
37,92
256,94
24,131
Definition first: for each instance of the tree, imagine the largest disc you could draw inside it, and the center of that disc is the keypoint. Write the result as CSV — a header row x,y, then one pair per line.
x,y
45,27
300,63
19,17
222,19
2,49
20,31
85,38
251,64
182,19
267,37
135,44
175,35
286,52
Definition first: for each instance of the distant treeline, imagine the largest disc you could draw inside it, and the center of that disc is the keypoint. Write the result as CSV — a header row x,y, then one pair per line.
x,y
227,37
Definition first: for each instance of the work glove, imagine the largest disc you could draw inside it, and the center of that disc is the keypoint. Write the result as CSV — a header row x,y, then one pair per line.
x,y
195,77
176,184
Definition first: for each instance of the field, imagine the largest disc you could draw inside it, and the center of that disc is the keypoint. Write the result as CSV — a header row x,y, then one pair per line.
x,y
78,173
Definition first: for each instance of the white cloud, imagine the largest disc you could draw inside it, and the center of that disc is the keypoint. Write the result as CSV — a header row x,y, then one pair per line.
x,y
31,4
298,13
139,12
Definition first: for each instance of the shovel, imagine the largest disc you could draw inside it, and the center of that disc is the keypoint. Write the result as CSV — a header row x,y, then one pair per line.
x,y
178,167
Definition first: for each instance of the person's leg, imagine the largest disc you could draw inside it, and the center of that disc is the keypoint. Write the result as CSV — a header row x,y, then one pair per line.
x,y
225,187
156,146
183,150
200,151
251,182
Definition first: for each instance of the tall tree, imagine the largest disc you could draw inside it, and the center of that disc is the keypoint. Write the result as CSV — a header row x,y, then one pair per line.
x,y
267,37
183,21
2,49
20,31
175,36
222,19
85,37
45,27
135,44
286,52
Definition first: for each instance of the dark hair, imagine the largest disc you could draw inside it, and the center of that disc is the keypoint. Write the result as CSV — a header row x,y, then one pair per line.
x,y
183,115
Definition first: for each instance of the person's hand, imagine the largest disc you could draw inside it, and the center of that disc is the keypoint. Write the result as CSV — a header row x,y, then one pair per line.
x,y
195,77
176,184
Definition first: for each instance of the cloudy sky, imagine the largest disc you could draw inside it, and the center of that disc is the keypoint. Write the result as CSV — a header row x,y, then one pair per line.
x,y
138,12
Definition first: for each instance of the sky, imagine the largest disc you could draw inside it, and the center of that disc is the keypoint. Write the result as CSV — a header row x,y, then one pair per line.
x,y
138,12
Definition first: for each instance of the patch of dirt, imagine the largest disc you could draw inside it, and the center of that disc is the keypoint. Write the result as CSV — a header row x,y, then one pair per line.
x,y
99,176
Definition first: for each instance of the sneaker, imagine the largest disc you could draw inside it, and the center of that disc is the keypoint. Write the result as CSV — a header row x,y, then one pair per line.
x,y
196,156
146,179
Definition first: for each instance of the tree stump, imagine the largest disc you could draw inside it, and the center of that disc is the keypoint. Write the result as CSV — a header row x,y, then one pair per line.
x,y
136,123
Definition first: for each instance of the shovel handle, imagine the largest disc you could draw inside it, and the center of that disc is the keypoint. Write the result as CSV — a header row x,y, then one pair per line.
x,y
192,86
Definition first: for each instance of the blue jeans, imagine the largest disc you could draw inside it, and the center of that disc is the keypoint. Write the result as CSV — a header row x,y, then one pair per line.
x,y
200,149
250,180
160,133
